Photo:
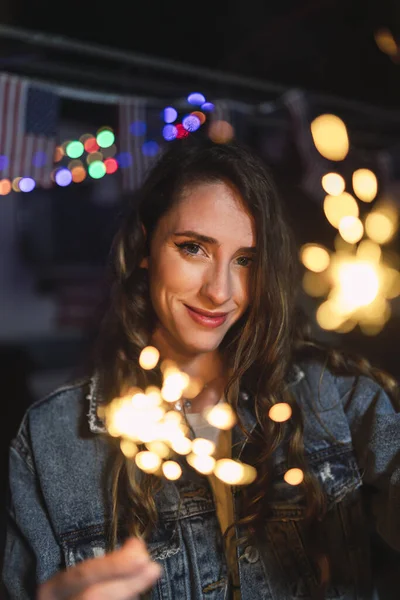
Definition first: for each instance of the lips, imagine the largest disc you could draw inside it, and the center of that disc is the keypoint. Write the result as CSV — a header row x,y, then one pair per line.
x,y
206,318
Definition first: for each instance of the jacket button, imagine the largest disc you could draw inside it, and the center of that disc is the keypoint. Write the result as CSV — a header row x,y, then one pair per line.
x,y
252,554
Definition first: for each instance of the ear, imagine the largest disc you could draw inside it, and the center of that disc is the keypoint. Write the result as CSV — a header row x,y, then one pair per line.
x,y
144,264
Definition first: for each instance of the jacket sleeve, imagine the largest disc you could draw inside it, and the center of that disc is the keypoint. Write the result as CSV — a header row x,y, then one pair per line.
x,y
375,426
31,553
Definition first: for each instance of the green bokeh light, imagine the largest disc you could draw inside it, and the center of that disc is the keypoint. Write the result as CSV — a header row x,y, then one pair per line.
x,y
97,169
105,138
75,149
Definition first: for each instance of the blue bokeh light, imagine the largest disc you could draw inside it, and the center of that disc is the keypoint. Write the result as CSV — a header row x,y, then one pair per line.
x,y
39,159
170,132
150,148
196,98
170,114
191,123
138,128
124,159
208,106
3,162
26,184
63,177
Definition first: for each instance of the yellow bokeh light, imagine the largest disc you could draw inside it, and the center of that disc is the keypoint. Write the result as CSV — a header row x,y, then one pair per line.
x,y
149,357
327,317
280,412
194,387
337,207
149,462
174,383
358,286
333,184
221,416
369,251
128,448
229,471
316,258
15,184
203,464
315,284
390,283
172,470
330,137
181,445
365,184
386,42
153,395
220,132
294,476
351,229
94,156
202,446
158,447
380,227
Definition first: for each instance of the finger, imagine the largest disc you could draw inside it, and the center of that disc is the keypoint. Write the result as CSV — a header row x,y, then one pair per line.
x,y
124,562
127,588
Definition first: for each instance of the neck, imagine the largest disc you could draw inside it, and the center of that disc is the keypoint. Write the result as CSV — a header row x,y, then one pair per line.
x,y
206,366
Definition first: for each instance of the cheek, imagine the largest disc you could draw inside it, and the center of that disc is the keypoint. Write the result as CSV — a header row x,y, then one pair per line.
x,y
174,275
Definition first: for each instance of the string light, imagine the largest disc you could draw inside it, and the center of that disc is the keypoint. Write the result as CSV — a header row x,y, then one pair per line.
x,y
330,137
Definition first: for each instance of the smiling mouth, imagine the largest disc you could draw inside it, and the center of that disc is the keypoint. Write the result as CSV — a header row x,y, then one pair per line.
x,y
205,318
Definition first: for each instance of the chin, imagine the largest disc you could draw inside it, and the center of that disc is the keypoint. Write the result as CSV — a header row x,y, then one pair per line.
x,y
196,346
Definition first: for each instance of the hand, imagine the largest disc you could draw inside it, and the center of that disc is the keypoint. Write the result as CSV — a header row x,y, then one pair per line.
x,y
120,575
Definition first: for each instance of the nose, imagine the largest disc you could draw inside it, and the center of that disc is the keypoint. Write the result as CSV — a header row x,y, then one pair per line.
x,y
217,286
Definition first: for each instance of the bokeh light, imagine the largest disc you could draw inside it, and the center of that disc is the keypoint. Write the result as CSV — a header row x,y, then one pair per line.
x,y
201,116
63,177
26,184
315,284
149,462
91,144
333,184
128,448
280,412
201,446
169,132
191,122
58,153
385,41
105,138
138,128
109,152
196,98
93,157
149,357
169,114
294,476
5,187
380,227
172,470
315,257
78,174
330,137
220,132
207,106
181,131
351,229
3,162
221,415
75,149
15,184
39,159
365,184
124,159
369,251
150,148
97,169
111,165
337,207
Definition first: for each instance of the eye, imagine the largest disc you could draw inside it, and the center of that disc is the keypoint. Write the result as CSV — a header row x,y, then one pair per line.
x,y
189,248
244,261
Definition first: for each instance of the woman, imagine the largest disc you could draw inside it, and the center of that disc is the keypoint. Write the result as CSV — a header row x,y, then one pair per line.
x,y
204,271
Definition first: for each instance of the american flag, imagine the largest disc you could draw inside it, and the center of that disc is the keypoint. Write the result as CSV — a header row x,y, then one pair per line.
x,y
28,124
135,119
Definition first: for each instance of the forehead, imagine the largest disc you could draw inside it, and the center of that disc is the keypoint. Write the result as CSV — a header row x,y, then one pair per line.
x,y
214,209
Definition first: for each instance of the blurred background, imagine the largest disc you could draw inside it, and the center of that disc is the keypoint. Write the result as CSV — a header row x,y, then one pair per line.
x,y
91,95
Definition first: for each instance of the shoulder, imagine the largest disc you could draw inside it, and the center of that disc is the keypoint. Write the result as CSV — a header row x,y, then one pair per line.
x,y
59,415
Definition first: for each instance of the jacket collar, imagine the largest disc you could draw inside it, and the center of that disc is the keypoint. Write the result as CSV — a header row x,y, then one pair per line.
x,y
96,424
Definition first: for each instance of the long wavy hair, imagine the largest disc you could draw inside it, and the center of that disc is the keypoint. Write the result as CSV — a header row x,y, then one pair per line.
x,y
258,349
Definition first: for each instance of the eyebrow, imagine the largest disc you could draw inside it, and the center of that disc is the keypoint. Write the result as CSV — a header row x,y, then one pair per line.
x,y
209,240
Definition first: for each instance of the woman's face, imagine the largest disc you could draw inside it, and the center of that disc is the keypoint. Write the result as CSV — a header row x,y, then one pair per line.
x,y
199,268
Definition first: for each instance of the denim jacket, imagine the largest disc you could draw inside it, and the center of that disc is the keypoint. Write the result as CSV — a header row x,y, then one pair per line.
x,y
59,504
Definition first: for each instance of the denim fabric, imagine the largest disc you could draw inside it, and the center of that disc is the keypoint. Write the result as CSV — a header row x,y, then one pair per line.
x,y
60,499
